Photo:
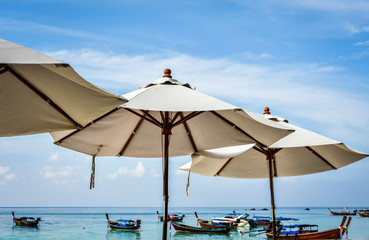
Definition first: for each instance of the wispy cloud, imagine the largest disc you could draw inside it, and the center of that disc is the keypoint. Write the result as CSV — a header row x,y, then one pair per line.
x,y
155,174
255,56
58,175
18,25
5,175
53,158
4,170
364,43
351,28
180,172
331,5
138,171
50,172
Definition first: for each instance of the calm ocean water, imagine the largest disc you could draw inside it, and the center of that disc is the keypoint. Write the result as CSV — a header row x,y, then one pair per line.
x,y
90,223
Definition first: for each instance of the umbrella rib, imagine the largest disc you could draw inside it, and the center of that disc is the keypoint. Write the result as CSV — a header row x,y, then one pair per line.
x,y
186,118
89,124
152,118
259,150
41,95
176,116
188,131
235,126
320,157
147,119
3,70
220,170
131,137
161,114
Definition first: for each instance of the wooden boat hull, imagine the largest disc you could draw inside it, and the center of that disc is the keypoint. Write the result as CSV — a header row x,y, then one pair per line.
x,y
125,228
208,224
363,214
342,213
186,228
26,224
333,233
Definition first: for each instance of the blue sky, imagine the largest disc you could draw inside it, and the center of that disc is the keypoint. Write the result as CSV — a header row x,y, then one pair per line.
x,y
306,60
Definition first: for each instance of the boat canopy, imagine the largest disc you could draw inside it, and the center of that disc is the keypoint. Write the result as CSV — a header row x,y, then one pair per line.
x,y
287,219
123,220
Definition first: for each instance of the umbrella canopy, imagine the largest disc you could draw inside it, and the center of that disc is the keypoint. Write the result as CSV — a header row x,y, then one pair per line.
x,y
169,111
42,94
302,152
212,123
248,161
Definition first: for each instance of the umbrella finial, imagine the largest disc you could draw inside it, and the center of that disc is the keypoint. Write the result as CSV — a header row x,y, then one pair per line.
x,y
167,73
266,110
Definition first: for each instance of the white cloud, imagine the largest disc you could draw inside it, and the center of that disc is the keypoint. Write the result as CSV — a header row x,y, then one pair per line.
x,y
180,172
254,56
3,170
32,26
351,28
9,177
65,182
6,175
55,172
53,158
138,171
364,43
332,5
112,176
155,174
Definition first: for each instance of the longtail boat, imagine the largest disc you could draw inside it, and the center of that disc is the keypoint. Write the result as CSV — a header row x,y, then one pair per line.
x,y
306,231
216,225
185,228
343,213
364,213
262,220
175,217
231,217
123,224
26,221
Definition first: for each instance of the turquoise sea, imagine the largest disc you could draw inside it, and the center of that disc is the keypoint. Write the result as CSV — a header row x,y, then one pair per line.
x,y
90,223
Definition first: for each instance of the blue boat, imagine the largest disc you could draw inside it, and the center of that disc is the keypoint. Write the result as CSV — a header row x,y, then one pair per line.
x,y
124,224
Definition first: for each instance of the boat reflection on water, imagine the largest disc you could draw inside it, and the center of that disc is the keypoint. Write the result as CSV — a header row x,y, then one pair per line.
x,y
110,235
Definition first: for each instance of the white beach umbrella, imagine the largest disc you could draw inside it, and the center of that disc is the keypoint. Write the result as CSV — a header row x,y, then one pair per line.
x,y
41,94
168,111
300,153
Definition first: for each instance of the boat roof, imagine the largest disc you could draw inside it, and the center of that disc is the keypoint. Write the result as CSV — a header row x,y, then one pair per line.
x,y
123,220
261,217
299,225
287,219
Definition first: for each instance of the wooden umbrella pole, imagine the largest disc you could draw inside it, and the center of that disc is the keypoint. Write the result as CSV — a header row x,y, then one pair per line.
x,y
271,185
166,131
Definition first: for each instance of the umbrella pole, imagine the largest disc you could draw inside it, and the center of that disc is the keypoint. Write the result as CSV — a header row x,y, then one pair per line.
x,y
166,132
271,185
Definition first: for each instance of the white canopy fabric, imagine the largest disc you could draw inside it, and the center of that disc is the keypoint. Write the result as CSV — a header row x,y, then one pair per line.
x,y
125,133
41,94
302,152
169,118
